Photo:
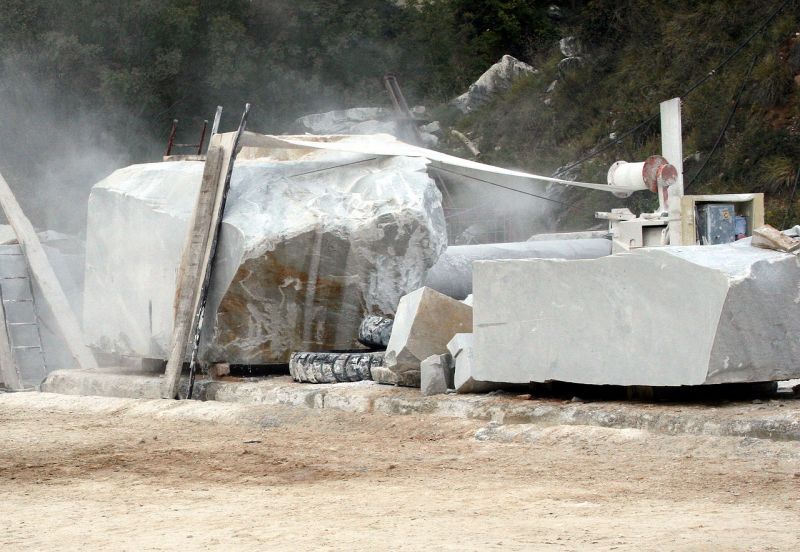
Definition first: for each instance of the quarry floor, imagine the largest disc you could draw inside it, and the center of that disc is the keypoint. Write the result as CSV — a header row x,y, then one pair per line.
x,y
139,474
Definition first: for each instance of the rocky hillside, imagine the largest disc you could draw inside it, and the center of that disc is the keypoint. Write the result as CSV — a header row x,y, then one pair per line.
x,y
595,93
86,88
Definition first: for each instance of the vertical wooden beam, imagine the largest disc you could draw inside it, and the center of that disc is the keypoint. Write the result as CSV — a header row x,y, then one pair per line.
x,y
194,259
40,269
8,367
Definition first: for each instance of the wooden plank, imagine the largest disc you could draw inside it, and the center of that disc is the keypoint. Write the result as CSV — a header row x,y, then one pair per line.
x,y
193,261
8,367
42,272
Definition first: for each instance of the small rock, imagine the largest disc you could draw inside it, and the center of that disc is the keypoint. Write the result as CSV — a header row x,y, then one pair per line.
x,y
569,46
436,375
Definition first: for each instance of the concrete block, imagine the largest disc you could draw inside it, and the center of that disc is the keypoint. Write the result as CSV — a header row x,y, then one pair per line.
x,y
462,349
425,322
664,316
436,374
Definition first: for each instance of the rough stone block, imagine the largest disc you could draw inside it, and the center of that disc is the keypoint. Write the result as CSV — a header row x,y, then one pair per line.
x,y
309,245
664,316
497,79
436,374
425,322
462,349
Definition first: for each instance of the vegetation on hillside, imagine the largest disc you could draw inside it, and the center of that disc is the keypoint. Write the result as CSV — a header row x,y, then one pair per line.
x,y
101,81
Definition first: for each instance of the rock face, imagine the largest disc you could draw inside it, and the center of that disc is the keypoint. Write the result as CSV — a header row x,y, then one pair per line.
x,y
308,247
425,322
656,317
498,78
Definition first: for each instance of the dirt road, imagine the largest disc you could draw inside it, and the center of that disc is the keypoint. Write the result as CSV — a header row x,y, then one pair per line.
x,y
92,473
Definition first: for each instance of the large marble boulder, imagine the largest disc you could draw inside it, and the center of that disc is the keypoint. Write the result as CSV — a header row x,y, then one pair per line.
x,y
309,246
664,316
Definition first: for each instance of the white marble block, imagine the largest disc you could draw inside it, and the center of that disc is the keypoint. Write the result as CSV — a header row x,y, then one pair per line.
x,y
309,245
655,317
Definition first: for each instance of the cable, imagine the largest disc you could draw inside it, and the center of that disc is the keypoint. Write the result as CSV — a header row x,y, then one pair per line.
x,y
501,186
688,91
726,125
332,167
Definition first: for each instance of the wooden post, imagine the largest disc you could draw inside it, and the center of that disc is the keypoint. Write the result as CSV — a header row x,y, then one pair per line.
x,y
41,270
8,367
193,261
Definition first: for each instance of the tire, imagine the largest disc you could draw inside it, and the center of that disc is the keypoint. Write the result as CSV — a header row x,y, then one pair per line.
x,y
374,331
333,367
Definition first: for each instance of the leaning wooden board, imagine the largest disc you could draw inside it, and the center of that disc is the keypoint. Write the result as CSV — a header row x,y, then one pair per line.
x,y
193,261
42,272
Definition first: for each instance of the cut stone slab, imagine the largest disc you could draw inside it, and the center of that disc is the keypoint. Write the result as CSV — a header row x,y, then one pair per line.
x,y
462,349
497,79
436,374
665,316
425,322
308,248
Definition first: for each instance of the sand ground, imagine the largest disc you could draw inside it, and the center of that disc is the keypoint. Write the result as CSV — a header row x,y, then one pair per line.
x,y
99,473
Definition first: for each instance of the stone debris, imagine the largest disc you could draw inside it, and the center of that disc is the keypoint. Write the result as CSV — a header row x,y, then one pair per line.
x,y
333,367
666,316
374,331
461,347
365,121
308,247
436,375
497,79
769,237
425,322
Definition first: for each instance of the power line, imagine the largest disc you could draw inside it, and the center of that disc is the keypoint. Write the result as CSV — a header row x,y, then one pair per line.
x,y
688,91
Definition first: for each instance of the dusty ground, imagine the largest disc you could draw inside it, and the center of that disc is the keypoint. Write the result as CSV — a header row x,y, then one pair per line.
x,y
92,473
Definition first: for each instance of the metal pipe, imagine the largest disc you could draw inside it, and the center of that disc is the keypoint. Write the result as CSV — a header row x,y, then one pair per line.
x,y
171,139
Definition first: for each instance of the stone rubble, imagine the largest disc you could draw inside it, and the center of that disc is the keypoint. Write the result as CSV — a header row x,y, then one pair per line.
x,y
436,375
425,322
461,347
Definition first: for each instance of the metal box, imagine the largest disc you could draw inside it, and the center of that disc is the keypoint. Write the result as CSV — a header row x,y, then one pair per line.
x,y
716,223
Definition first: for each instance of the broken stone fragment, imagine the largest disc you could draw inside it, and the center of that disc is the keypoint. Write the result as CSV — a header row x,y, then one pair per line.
x,y
436,374
425,322
461,347
768,237
308,247
665,316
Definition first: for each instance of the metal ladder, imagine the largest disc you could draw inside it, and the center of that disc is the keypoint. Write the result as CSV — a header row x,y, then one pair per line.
x,y
22,317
